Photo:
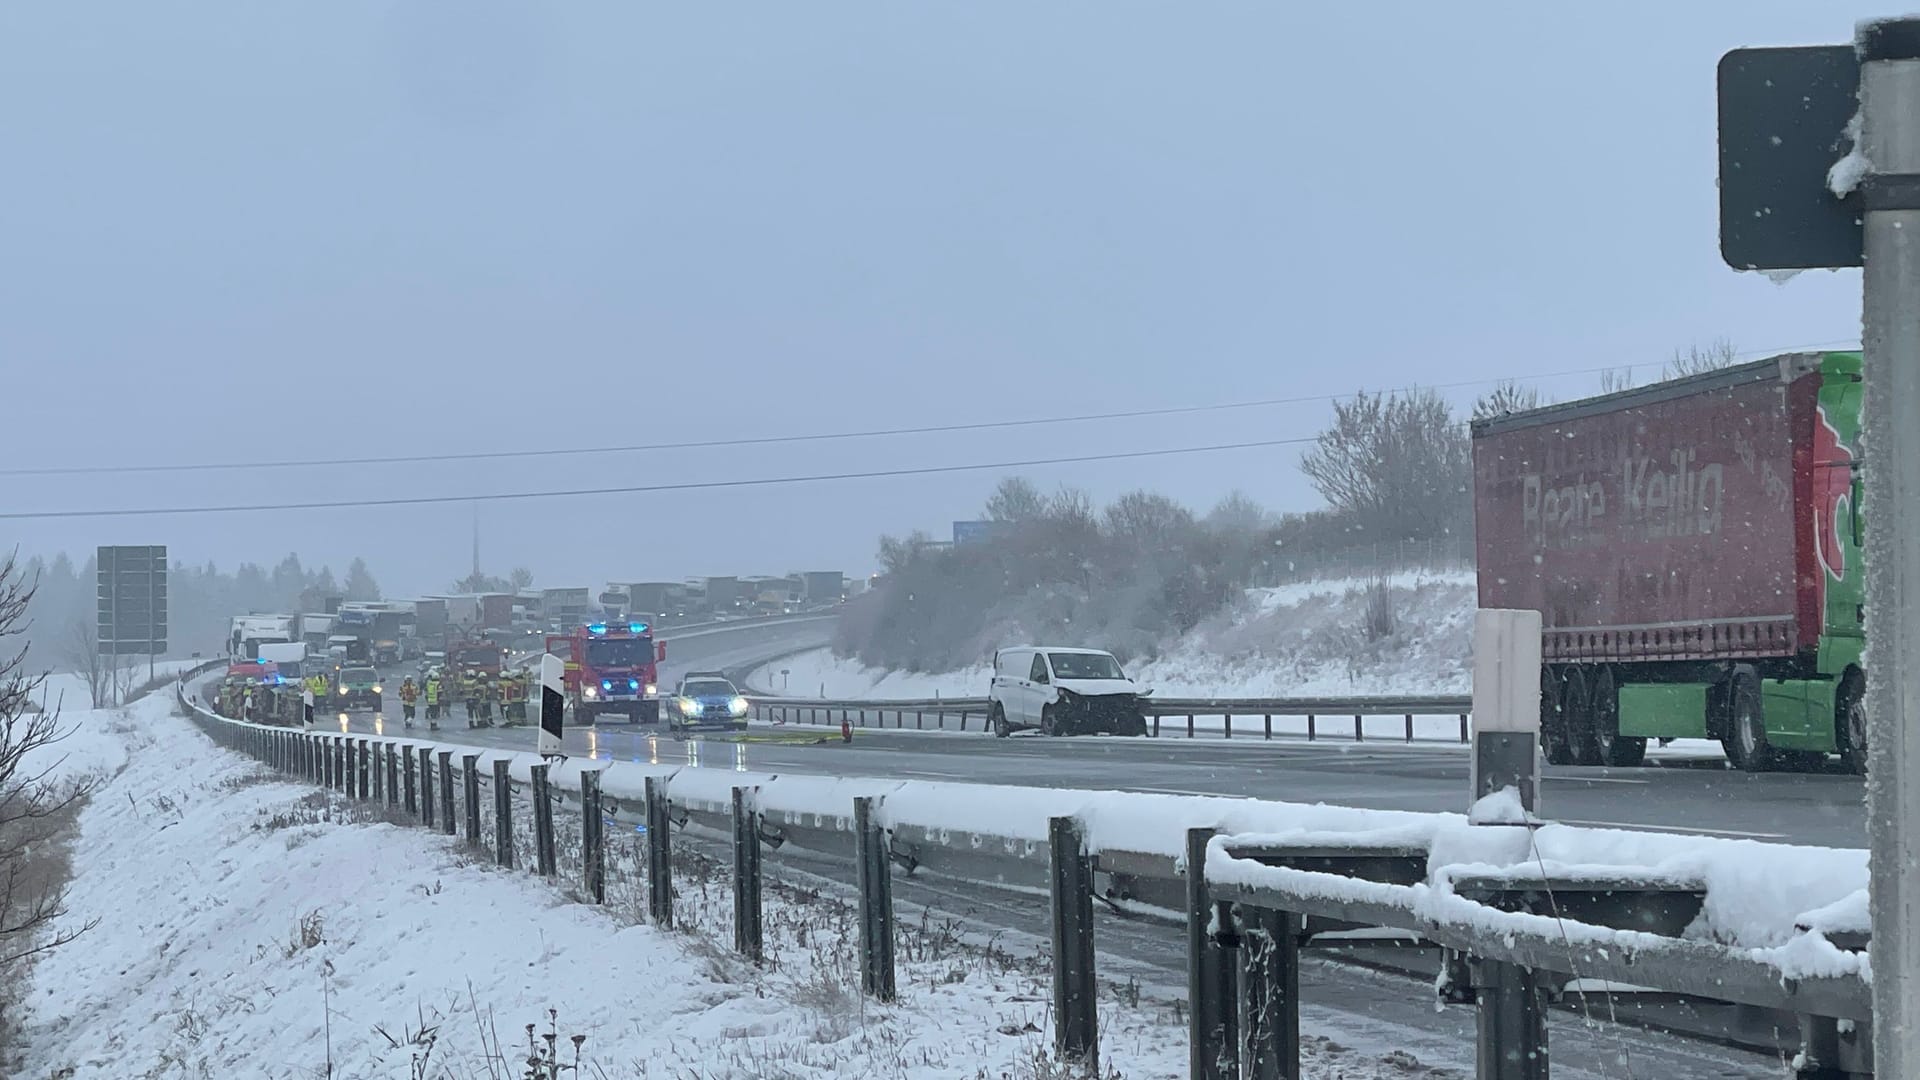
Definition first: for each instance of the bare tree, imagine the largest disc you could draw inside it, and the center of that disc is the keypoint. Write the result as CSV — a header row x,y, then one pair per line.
x,y
1504,398
33,804
1614,380
81,650
1397,466
520,578
1015,499
1698,360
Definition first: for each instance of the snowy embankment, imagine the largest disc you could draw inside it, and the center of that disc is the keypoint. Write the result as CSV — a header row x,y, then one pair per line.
x,y
243,925
1309,639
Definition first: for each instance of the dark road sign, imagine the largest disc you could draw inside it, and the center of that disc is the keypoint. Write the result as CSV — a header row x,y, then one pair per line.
x,y
131,592
1783,123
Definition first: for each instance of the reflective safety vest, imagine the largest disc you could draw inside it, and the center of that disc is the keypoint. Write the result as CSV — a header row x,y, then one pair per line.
x,y
408,692
433,691
318,684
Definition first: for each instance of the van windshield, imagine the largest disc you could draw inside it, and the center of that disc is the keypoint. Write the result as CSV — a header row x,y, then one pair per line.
x,y
1068,665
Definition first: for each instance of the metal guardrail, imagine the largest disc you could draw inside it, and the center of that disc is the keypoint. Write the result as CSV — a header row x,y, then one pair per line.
x,y
1243,938
1322,715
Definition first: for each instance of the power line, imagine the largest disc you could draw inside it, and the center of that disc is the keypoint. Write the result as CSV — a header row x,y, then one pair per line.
x,y
765,440
695,485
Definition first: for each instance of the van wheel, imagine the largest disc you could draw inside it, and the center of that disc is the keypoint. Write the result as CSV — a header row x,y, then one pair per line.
x,y
1746,743
1553,718
1850,722
1622,751
999,722
1048,726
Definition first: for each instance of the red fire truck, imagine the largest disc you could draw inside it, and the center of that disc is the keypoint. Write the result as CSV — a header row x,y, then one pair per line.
x,y
611,668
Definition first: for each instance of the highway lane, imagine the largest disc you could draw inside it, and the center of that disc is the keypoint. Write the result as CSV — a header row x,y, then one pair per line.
x,y
1700,797
1697,795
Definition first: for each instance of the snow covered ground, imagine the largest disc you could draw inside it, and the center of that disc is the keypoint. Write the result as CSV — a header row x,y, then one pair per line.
x,y
243,925
1300,640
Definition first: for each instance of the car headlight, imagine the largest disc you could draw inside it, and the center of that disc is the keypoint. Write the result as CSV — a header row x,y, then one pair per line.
x,y
376,688
689,705
590,692
652,689
738,706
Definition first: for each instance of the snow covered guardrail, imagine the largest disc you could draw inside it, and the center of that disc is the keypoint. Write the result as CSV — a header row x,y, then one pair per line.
x,y
1759,922
1443,716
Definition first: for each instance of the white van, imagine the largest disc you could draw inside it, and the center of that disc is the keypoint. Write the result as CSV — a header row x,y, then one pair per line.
x,y
1063,691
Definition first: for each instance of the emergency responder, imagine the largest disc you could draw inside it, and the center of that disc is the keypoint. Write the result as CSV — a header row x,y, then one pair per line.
x,y
246,704
512,698
317,683
485,695
409,693
470,694
433,699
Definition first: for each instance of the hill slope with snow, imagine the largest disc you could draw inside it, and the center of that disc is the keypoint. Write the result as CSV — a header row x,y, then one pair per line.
x,y
1307,638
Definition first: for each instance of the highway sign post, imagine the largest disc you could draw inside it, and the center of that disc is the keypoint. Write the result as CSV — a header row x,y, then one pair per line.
x,y
1506,703
131,590
1807,225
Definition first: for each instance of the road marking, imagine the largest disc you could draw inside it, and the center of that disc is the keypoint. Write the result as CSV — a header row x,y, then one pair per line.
x,y
1187,791
1641,827
934,775
1595,780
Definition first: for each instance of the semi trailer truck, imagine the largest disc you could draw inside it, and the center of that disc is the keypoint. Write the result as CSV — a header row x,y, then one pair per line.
x,y
1694,550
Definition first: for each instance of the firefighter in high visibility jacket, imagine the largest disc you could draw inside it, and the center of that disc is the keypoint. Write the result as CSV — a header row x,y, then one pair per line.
x,y
487,695
317,683
433,701
470,694
409,693
513,698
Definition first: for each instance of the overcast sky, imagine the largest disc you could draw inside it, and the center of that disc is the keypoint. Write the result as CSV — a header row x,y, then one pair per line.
x,y
234,231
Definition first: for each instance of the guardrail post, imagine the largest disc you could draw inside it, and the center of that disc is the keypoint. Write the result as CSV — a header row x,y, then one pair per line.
x,y
1076,1031
470,785
1156,725
328,764
1266,726
876,901
502,814
446,792
542,822
1511,1028
1359,729
412,781
1227,720
659,853
1212,1043
1465,735
1189,725
748,939
1270,994
426,786
1409,727
593,828
362,765
1311,734
390,754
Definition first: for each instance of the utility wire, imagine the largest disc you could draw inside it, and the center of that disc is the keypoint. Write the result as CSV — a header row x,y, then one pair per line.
x,y
693,485
765,440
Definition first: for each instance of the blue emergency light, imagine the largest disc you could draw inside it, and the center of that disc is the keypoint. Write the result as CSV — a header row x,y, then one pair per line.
x,y
636,628
597,628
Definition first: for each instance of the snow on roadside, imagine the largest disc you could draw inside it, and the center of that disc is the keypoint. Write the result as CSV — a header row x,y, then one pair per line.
x,y
242,925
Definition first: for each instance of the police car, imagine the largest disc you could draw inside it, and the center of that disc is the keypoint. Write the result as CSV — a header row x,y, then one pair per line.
x,y
707,699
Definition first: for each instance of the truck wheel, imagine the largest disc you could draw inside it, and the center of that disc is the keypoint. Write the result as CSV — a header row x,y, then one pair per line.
x,y
1746,742
998,720
1577,707
586,715
1553,718
1615,749
1850,722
